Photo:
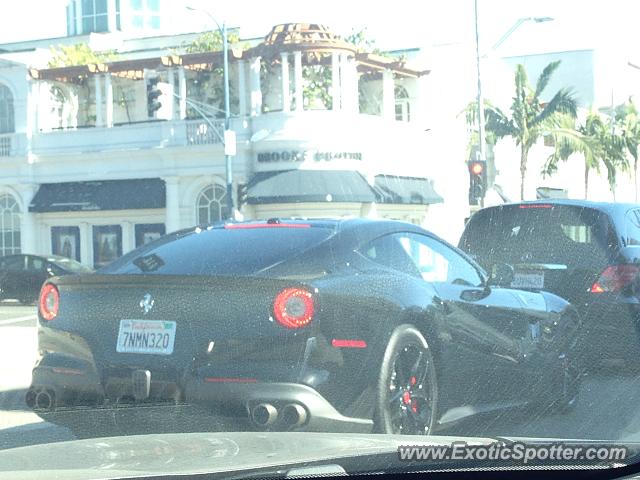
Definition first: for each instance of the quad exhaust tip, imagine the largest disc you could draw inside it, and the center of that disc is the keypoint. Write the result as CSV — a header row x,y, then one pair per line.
x,y
264,414
294,415
44,400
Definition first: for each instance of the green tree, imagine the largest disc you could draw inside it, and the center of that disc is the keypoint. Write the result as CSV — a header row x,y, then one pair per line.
x,y
78,54
212,42
530,118
629,120
596,141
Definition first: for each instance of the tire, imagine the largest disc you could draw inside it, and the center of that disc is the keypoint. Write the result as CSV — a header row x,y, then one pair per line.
x,y
407,390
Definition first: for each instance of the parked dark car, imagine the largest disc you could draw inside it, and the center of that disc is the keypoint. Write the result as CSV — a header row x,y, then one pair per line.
x,y
325,324
21,276
585,252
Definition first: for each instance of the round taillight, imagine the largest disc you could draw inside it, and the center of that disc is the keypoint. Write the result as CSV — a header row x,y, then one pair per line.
x,y
293,308
49,301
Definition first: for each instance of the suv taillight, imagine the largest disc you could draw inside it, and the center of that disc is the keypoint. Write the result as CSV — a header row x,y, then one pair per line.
x,y
615,278
293,308
49,302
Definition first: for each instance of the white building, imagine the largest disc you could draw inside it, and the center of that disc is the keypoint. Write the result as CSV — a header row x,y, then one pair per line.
x,y
321,130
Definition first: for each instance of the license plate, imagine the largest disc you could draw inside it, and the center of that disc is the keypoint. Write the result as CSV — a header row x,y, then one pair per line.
x,y
528,280
146,336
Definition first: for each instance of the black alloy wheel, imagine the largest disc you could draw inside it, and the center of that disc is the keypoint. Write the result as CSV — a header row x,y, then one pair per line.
x,y
407,391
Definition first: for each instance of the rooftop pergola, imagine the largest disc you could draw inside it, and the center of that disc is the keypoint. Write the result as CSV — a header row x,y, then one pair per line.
x,y
315,41
306,44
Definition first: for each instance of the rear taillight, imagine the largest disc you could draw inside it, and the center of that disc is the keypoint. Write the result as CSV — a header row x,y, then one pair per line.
x,y
293,308
49,301
615,278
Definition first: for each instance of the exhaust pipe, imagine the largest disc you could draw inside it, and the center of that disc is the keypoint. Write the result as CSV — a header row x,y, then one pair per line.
x,y
45,400
294,415
264,414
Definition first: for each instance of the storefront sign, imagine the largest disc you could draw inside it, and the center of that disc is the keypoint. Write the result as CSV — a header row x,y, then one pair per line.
x,y
306,155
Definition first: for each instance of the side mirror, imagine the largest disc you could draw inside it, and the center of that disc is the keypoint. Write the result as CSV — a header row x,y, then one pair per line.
x,y
502,275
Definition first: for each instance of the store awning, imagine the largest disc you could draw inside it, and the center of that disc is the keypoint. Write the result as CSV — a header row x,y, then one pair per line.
x,y
304,186
99,195
405,190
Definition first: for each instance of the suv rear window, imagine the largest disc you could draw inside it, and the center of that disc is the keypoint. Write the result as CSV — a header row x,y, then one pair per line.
x,y
219,251
538,234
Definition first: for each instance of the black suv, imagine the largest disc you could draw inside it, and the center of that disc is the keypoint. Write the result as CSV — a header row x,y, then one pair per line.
x,y
586,252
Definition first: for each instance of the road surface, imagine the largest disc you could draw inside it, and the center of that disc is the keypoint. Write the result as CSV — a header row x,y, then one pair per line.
x,y
608,408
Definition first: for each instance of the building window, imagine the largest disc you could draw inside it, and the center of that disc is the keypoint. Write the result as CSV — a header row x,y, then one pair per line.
x,y
148,232
212,205
403,111
107,244
65,241
94,16
6,110
9,226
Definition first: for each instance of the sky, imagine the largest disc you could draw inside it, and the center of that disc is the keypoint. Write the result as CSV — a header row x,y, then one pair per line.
x,y
392,24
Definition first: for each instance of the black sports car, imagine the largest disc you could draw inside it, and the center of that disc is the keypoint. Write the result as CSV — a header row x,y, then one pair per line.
x,y
321,324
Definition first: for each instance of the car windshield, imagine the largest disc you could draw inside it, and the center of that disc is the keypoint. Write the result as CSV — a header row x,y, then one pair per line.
x,y
222,251
292,238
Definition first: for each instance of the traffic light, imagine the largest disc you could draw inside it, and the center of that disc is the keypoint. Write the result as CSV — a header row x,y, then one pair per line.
x,y
242,194
153,94
477,181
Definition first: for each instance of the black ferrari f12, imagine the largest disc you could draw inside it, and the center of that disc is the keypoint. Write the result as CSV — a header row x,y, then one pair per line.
x,y
357,325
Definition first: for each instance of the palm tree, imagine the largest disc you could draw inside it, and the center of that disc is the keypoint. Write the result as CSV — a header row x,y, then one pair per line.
x,y
598,143
531,118
627,116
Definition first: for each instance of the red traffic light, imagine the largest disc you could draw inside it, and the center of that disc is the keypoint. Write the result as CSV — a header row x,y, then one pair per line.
x,y
476,168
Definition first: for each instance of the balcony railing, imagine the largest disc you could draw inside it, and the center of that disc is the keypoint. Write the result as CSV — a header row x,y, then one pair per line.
x,y
200,132
5,145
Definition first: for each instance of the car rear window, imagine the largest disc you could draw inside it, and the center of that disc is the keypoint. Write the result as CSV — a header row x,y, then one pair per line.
x,y
541,233
219,251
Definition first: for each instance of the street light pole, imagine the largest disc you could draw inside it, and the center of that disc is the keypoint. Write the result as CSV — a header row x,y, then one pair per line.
x,y
480,100
228,157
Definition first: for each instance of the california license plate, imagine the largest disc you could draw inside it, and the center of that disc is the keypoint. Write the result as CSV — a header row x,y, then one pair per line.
x,y
528,280
146,336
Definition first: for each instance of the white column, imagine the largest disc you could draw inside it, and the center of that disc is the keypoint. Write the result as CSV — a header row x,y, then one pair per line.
x,y
344,81
388,96
256,91
172,207
298,82
108,100
86,244
286,98
242,88
111,11
335,80
98,88
182,91
33,103
128,237
27,219
349,84
78,7
171,74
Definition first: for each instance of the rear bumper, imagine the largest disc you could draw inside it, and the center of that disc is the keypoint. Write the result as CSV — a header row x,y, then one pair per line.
x,y
321,415
611,330
83,385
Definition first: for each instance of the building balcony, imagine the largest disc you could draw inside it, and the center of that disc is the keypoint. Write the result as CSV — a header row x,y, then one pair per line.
x,y
338,128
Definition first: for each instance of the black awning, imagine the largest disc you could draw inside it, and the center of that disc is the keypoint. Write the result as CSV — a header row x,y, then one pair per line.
x,y
303,186
405,190
99,195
